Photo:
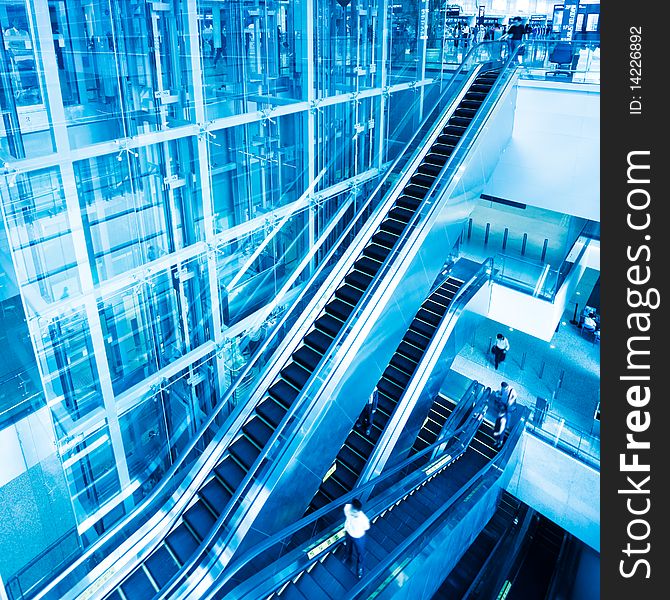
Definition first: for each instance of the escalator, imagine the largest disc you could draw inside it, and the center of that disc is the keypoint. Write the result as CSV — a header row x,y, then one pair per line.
x,y
534,573
319,569
438,415
358,447
216,497
464,576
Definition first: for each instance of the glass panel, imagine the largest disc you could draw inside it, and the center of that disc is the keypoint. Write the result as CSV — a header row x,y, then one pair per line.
x,y
139,205
20,383
251,55
69,370
256,169
39,232
25,129
123,68
90,471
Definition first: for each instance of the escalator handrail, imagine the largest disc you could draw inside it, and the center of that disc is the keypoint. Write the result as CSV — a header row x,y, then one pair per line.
x,y
372,579
322,288
411,481
298,411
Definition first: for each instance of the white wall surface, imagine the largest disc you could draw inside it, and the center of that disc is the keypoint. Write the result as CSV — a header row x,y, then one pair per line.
x,y
560,487
553,158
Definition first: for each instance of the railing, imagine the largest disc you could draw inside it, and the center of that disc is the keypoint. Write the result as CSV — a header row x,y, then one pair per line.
x,y
566,436
536,278
581,61
322,530
155,513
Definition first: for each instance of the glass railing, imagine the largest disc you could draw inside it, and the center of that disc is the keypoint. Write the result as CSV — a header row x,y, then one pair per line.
x,y
556,60
564,435
312,536
251,487
537,278
148,518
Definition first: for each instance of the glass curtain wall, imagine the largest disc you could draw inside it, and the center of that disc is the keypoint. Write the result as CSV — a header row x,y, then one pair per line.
x,y
171,173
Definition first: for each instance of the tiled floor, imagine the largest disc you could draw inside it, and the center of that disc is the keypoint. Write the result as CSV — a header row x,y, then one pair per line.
x,y
565,372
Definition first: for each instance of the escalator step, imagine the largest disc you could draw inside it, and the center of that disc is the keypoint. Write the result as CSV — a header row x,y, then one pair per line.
x,y
200,519
390,389
306,357
465,113
292,593
332,588
367,266
358,279
408,203
459,121
386,403
271,411
182,543
396,376
453,130
471,104
428,169
375,552
334,564
138,586
360,444
318,340
345,477
319,501
480,87
296,375
404,364
309,588
282,391
428,316
215,494
387,534
435,307
427,330
446,144
351,295
244,451
230,473
161,565
401,214
423,180
411,352
382,238
328,324
339,308
415,191
437,159
332,488
416,337
354,460
378,253
258,430
393,227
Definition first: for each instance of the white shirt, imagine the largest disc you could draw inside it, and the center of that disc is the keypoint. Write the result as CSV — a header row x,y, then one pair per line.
x,y
356,523
503,344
